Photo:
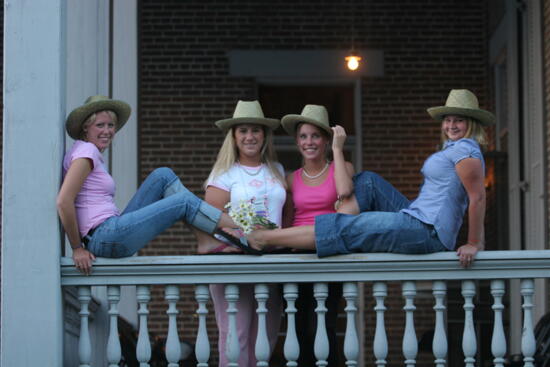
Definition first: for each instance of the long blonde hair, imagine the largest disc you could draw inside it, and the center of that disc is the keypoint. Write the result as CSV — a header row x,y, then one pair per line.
x,y
475,131
229,155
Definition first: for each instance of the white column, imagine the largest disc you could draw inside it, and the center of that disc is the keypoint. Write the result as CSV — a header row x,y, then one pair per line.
x,y
34,111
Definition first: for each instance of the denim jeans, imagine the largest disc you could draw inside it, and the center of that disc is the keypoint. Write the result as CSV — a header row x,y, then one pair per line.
x,y
158,203
380,227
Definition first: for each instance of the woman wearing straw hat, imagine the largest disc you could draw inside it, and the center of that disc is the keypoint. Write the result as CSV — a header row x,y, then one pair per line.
x,y
85,202
318,187
245,170
388,222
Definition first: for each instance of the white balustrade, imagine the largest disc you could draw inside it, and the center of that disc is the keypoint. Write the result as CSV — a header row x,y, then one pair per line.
x,y
84,343
291,347
375,269
380,347
202,345
321,345
261,293
469,345
143,348
528,342
351,341
410,343
173,346
498,341
113,342
439,343
232,343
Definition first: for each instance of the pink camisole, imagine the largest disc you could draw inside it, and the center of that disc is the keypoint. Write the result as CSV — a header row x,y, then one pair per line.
x,y
310,201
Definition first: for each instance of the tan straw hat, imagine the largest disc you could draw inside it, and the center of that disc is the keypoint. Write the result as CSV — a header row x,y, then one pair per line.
x,y
464,103
312,114
94,104
247,112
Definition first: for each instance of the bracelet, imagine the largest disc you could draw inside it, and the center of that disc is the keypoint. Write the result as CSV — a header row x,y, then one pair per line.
x,y
77,247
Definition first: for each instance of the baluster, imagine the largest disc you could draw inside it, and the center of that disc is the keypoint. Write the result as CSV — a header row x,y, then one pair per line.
x,y
291,347
528,342
84,344
439,343
351,341
232,344
173,346
261,293
113,342
143,349
380,291
410,343
469,346
498,341
202,346
321,346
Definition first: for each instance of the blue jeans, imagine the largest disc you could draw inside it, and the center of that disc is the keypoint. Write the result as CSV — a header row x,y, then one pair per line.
x,y
158,203
380,227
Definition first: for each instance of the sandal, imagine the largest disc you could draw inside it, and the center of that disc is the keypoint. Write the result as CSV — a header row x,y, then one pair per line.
x,y
238,242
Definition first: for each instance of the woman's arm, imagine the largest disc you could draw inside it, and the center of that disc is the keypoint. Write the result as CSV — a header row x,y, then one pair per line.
x,y
72,184
343,171
288,208
470,172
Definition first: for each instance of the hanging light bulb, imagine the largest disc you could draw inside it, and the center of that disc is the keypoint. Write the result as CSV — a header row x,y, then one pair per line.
x,y
353,61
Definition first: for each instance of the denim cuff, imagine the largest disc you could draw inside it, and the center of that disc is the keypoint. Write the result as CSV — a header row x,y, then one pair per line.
x,y
327,241
207,218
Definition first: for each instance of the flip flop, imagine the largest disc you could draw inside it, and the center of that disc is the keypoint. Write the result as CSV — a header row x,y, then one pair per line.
x,y
238,242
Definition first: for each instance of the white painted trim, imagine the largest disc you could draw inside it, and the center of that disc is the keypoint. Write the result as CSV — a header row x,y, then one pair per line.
x,y
536,211
34,108
124,151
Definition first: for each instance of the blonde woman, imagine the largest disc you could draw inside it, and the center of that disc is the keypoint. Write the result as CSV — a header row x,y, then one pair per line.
x,y
389,222
245,169
85,203
318,187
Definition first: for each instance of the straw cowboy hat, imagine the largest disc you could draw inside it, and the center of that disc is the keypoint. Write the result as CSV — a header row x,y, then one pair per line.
x,y
247,112
312,114
464,103
94,104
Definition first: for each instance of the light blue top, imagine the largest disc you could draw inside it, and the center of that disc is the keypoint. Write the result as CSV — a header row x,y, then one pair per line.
x,y
443,200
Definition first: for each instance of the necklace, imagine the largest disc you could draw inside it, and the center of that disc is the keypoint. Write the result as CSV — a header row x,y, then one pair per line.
x,y
251,173
312,177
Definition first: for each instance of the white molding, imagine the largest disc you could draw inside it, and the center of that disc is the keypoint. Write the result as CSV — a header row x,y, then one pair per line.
x,y
200,269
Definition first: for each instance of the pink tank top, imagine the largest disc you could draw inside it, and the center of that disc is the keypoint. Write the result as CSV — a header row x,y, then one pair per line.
x,y
310,201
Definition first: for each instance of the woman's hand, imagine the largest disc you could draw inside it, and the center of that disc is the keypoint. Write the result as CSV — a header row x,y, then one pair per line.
x,y
467,253
83,260
338,138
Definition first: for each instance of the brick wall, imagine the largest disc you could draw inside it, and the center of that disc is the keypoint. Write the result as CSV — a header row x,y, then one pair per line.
x,y
430,47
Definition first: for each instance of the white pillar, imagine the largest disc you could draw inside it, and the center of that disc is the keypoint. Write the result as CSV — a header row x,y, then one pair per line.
x,y
34,111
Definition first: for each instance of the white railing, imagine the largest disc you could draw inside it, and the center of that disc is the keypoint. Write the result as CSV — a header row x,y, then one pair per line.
x,y
378,269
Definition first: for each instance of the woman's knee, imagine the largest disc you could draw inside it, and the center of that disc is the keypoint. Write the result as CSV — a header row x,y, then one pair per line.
x,y
164,172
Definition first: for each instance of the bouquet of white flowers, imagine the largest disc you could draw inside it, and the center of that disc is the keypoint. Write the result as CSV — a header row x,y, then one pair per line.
x,y
247,218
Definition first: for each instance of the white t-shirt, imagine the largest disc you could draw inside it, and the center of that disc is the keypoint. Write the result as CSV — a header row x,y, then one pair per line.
x,y
246,183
